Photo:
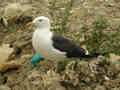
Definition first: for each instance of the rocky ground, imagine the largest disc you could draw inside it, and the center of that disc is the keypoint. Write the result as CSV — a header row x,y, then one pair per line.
x,y
102,73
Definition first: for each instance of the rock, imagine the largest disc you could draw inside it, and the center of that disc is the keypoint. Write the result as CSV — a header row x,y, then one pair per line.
x,y
13,10
4,21
15,13
114,58
33,74
4,87
9,66
22,44
52,80
18,47
116,88
5,51
27,56
98,87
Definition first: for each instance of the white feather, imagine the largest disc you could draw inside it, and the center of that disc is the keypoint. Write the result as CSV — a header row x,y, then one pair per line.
x,y
43,44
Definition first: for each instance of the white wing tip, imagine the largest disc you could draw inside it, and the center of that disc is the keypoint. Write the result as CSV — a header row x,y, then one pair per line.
x,y
87,53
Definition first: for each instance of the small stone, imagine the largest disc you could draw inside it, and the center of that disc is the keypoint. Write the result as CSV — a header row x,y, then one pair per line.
x,y
5,51
114,58
4,87
14,10
115,88
100,88
4,21
26,56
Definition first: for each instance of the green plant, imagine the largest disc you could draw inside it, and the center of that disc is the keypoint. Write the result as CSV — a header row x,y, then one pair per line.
x,y
67,13
97,35
100,24
52,8
102,40
60,17
61,65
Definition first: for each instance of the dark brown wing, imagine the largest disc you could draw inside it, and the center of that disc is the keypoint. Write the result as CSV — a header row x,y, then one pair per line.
x,y
65,45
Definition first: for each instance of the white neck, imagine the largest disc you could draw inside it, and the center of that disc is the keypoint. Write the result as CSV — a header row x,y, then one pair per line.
x,y
42,32
45,26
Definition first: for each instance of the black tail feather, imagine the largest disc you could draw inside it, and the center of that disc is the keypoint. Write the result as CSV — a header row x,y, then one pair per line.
x,y
93,55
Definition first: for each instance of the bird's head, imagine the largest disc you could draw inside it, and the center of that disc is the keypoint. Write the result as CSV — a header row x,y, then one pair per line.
x,y
40,22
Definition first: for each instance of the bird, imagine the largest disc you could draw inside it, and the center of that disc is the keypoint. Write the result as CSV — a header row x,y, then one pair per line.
x,y
53,46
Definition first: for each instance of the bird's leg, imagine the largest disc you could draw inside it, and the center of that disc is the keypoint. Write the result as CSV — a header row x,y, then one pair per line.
x,y
76,63
93,65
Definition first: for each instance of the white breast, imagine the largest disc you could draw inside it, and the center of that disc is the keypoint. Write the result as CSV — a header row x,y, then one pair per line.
x,y
42,44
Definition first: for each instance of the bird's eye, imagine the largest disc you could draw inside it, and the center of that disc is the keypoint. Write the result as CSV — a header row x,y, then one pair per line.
x,y
40,20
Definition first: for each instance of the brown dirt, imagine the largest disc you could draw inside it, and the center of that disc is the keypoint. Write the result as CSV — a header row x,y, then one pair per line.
x,y
103,75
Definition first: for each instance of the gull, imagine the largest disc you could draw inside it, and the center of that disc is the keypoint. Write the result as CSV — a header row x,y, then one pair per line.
x,y
53,46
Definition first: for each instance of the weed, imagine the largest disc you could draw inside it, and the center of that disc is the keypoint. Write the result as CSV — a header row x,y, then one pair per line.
x,y
100,24
61,65
97,35
101,40
67,13
61,18
52,8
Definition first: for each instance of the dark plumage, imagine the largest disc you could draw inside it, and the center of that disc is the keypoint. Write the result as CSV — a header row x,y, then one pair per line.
x,y
72,50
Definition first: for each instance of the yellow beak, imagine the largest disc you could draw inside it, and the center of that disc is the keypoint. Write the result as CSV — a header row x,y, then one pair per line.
x,y
29,24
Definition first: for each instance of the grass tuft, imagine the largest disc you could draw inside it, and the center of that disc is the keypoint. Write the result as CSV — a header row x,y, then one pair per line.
x,y
100,39
60,17
61,65
100,24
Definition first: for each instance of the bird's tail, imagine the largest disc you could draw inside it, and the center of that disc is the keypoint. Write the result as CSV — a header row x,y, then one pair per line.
x,y
93,55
